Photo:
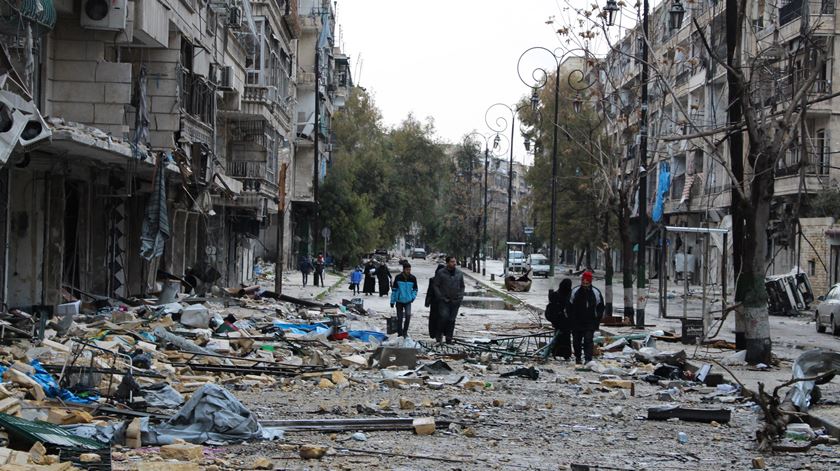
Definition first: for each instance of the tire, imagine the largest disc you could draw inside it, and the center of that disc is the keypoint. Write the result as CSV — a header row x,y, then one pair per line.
x,y
820,327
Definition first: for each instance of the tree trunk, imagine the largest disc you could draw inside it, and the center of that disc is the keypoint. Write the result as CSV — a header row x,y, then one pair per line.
x,y
750,289
739,208
627,259
608,266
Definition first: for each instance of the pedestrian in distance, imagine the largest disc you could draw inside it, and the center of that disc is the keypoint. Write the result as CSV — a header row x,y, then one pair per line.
x,y
431,303
383,277
585,309
356,277
370,278
404,292
555,312
319,270
305,267
449,292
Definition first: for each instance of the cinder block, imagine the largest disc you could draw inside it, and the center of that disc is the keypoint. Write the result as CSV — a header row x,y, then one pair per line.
x,y
82,92
75,71
108,114
165,121
117,93
71,111
119,72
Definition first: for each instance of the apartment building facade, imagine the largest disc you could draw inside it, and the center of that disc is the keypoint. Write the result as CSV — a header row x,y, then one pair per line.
x,y
168,144
688,96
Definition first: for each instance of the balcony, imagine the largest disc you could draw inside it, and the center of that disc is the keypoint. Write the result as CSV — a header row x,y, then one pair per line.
x,y
256,177
265,101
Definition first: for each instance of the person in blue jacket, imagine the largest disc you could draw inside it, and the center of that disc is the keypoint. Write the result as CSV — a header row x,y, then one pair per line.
x,y
356,280
403,294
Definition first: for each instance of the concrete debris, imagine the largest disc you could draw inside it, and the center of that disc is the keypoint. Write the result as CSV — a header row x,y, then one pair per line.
x,y
312,452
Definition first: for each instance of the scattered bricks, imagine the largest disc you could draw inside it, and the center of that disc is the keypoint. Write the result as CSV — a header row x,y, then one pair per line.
x,y
21,379
113,72
132,434
263,463
182,452
469,432
90,458
384,404
339,378
406,404
758,462
312,452
474,384
325,384
10,405
424,425
9,456
38,453
620,384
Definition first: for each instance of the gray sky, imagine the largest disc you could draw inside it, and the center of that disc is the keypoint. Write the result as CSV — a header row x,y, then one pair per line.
x,y
445,59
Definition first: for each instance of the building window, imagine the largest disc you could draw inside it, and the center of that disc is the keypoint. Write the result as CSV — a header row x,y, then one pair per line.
x,y
812,268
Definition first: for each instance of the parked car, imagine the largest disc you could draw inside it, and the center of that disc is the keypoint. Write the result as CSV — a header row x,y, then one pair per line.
x,y
418,253
539,264
827,313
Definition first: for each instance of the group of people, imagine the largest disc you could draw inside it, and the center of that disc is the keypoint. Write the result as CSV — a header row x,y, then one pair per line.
x,y
367,277
306,266
575,314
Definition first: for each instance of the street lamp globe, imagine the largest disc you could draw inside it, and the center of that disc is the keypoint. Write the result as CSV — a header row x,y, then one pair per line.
x,y
577,103
535,99
676,14
610,10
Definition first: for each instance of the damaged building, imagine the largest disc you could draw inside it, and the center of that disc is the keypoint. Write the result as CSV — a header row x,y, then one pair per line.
x,y
148,139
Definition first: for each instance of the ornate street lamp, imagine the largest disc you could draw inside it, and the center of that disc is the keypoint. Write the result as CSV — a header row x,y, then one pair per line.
x,y
609,12
496,152
675,15
535,99
540,79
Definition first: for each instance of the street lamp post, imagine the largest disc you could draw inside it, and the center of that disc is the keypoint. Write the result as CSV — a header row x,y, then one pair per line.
x,y
540,76
496,146
676,14
499,125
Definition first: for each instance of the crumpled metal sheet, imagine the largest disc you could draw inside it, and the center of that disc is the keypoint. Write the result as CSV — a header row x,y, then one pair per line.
x,y
809,364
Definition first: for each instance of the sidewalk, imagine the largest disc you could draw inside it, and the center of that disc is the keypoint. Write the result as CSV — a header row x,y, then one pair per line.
x,y
292,284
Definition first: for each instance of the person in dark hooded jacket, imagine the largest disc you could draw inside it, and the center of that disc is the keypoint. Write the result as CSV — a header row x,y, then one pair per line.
x,y
434,328
555,313
585,309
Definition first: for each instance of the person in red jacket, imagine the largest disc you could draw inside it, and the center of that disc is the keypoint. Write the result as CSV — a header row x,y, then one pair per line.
x,y
585,309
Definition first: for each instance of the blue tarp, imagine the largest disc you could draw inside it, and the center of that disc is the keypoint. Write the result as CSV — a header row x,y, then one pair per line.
x,y
662,189
367,335
301,328
50,385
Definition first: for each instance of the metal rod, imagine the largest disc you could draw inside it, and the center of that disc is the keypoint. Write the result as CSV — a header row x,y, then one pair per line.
x,y
553,232
484,236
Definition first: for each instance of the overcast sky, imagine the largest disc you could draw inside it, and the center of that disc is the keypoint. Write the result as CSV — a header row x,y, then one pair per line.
x,y
445,59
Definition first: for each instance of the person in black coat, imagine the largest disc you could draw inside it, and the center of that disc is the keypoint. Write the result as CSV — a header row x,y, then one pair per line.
x,y
555,313
383,276
434,328
584,309
370,278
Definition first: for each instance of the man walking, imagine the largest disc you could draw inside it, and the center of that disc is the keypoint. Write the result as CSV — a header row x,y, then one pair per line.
x,y
585,309
305,267
448,285
404,293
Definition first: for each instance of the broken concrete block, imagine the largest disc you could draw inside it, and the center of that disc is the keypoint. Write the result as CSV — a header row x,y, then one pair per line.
x,y
9,456
132,434
195,315
182,452
474,384
758,462
218,346
619,384
354,360
10,405
38,453
424,425
339,378
325,384
263,463
21,379
312,452
90,458
406,404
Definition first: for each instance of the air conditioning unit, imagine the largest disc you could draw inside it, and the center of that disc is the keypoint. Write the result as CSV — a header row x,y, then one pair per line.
x,y
234,19
107,15
226,78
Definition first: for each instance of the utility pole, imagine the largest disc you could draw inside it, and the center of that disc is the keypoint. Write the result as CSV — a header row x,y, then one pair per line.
x,y
641,295
317,158
484,236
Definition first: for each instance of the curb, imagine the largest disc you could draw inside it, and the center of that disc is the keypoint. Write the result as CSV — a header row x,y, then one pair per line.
x,y
505,295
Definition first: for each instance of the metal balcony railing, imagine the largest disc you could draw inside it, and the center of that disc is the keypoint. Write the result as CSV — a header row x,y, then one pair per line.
x,y
792,10
255,176
818,153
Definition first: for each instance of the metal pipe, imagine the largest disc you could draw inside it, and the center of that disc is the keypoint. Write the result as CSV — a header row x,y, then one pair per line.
x,y
484,236
553,236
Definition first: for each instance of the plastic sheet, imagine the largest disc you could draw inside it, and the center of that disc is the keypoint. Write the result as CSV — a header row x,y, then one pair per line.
x,y
212,415
809,364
